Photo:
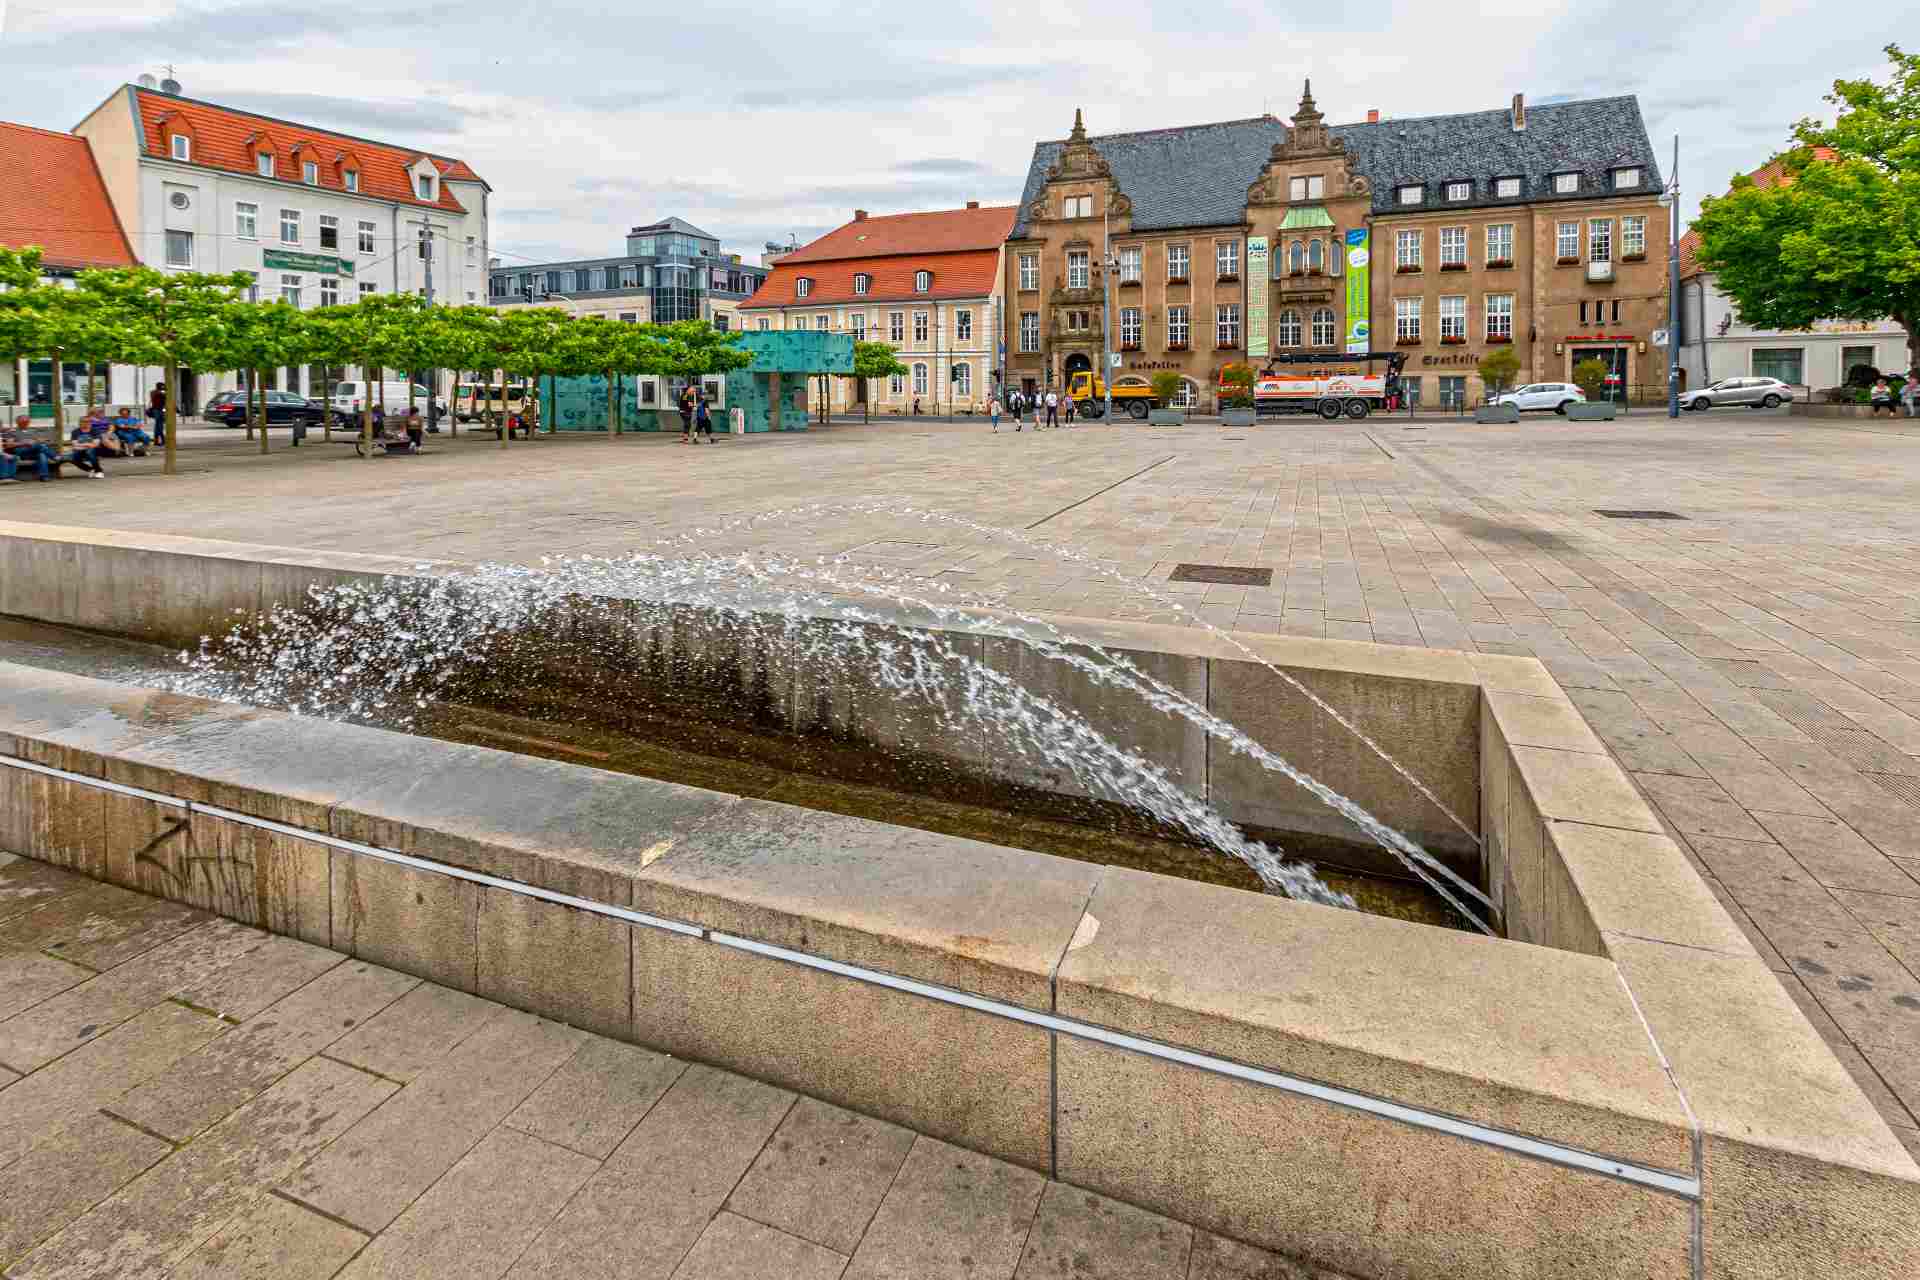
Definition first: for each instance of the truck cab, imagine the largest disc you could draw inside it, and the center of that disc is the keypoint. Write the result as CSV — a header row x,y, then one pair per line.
x,y
1089,395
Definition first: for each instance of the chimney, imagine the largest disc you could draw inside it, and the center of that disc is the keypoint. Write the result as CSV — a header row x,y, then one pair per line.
x,y
1519,112
1373,116
859,215
973,204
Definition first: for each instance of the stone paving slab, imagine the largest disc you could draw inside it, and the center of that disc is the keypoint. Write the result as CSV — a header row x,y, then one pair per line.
x,y
249,1147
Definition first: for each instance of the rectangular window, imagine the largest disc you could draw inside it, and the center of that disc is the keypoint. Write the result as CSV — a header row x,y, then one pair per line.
x,y
329,231
1583,313
1310,187
1499,315
1566,183
859,326
1566,241
1406,251
1029,271
1411,194
629,276
1029,331
289,226
896,385
182,147
1633,236
1453,318
582,279
263,164
765,324
1130,264
368,288
353,179
1625,178
1226,256
179,248
1453,246
471,250
919,379
963,326
1507,188
1077,207
553,284
1077,269
1500,242
246,221
290,289
823,324
1177,327
310,173
1600,239
597,279
1130,328
1226,323
1453,391
896,327
1459,191
329,291
1406,319
962,377
366,237
425,186
1785,363
920,326
1176,262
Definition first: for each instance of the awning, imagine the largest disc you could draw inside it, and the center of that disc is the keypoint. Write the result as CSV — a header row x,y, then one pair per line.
x,y
1305,216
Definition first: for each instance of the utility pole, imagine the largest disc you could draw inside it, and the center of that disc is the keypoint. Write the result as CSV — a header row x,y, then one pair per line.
x,y
1108,265
433,375
1673,283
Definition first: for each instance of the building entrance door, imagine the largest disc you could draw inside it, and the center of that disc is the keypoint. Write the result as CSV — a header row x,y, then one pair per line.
x,y
1078,362
1615,358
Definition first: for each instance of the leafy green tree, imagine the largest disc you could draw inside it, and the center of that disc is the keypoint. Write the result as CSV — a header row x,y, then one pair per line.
x,y
527,346
1166,387
468,345
1498,368
872,360
263,336
1839,235
166,319
328,344
1237,381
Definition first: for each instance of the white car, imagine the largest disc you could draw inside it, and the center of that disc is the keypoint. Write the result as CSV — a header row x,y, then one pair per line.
x,y
1543,395
347,396
1768,393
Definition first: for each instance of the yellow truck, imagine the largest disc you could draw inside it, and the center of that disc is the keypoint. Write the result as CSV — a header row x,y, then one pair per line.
x,y
1089,395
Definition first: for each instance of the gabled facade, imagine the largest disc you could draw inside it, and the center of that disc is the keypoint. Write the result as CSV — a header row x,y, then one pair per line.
x,y
318,217
1444,236
926,284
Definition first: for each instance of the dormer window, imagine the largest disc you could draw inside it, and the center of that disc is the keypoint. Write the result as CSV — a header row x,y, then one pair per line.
x,y
423,183
181,147
1506,188
352,179
1077,207
310,172
862,282
263,164
1566,184
802,287
922,281
1413,193
1623,179
1459,191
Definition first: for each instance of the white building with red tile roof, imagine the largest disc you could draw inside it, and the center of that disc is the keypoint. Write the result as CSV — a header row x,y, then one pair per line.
x,y
319,217
926,284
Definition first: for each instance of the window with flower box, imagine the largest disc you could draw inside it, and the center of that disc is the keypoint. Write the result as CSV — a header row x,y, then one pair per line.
x,y
1129,328
1226,259
1177,259
1500,244
1406,251
1178,329
1406,320
1499,317
1226,324
1130,265
1453,319
1600,239
1453,248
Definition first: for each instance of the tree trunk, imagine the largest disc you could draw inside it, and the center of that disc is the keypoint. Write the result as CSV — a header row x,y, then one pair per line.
x,y
59,409
453,407
506,418
170,466
553,394
326,402
609,404
366,413
259,377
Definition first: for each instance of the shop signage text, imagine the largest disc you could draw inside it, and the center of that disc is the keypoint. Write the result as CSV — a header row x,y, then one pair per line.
x,y
292,260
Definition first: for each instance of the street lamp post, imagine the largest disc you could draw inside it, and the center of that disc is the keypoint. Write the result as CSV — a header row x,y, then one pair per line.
x,y
1671,198
1108,265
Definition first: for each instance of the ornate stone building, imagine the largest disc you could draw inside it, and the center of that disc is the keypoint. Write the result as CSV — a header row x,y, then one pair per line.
x,y
1444,236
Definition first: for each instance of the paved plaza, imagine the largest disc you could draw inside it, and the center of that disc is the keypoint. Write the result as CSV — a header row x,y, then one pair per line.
x,y
184,1096
1755,664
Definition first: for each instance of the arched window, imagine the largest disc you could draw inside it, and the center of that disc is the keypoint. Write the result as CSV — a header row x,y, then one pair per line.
x,y
1316,256
919,379
1323,328
1296,258
1286,332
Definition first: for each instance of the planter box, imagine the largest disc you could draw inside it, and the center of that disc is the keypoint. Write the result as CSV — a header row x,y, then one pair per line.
x,y
1802,409
1236,417
1166,418
1592,411
1497,413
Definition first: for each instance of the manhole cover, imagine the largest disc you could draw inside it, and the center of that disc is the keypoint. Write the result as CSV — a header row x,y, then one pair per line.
x,y
1637,515
1227,574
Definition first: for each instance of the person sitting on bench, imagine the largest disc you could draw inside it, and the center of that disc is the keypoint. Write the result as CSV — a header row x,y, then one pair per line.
x,y
126,428
19,445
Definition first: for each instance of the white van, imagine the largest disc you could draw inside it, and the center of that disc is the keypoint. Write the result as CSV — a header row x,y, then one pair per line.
x,y
348,396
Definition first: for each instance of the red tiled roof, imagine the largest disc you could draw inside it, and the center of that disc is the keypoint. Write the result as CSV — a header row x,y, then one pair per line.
x,y
955,275
223,138
1772,173
943,231
54,198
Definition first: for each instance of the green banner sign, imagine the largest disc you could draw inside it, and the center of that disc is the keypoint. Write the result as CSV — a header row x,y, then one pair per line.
x,y
292,260
1359,326
1257,289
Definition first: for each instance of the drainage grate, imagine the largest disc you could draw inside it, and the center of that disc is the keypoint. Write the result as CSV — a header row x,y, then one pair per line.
x,y
1230,575
1637,515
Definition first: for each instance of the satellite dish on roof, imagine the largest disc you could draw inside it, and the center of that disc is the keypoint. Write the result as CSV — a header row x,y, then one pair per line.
x,y
148,82
170,85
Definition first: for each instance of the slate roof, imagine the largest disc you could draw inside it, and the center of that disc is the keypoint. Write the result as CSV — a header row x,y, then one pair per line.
x,y
1197,176
54,198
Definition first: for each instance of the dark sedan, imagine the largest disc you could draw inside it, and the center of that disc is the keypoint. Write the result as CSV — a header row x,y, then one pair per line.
x,y
284,408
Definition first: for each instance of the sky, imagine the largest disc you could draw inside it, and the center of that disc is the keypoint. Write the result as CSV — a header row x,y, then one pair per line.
x,y
761,121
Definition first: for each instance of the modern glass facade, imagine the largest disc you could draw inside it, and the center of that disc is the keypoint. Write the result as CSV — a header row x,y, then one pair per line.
x,y
678,268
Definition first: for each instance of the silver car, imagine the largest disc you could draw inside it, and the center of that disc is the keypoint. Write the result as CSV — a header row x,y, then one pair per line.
x,y
1765,392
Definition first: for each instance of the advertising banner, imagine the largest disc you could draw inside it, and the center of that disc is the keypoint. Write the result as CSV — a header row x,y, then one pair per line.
x,y
1257,288
291,260
1359,276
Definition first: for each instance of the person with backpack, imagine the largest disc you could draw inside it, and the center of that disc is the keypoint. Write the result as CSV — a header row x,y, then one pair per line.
x,y
702,421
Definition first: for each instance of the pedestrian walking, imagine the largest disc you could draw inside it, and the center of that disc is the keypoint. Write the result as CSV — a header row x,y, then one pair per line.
x,y
993,407
703,421
1016,404
157,410
1053,409
686,416
1069,410
1881,397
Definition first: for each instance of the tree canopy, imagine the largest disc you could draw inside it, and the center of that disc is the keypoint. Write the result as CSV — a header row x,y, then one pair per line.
x,y
1837,234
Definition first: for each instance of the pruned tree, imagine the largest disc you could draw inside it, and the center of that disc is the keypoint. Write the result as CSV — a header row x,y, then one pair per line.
x,y
1497,368
872,360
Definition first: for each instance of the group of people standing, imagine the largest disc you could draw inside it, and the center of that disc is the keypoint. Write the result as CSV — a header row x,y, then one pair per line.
x,y
1058,409
696,418
1885,396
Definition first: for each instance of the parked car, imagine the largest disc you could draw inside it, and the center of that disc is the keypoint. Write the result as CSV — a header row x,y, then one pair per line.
x,y
349,395
283,409
1765,392
219,403
1543,395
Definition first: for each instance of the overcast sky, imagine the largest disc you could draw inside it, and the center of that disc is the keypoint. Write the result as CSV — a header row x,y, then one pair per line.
x,y
758,121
